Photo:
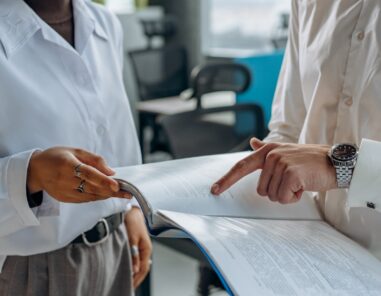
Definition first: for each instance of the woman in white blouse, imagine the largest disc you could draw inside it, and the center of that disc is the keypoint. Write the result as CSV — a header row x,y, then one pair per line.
x,y
329,92
64,121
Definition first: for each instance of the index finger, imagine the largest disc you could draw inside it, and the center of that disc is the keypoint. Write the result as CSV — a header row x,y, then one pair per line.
x,y
241,169
98,179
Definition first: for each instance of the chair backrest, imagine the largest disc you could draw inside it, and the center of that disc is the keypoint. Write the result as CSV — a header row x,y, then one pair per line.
x,y
165,28
212,130
219,76
160,72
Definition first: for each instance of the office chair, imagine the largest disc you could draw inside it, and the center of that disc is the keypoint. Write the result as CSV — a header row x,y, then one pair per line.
x,y
219,76
160,72
212,130
165,28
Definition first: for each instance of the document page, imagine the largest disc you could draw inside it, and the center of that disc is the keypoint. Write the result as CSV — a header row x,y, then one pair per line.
x,y
184,186
273,257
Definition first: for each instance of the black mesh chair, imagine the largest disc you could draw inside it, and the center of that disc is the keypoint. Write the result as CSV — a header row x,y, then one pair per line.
x,y
213,130
165,28
160,72
219,76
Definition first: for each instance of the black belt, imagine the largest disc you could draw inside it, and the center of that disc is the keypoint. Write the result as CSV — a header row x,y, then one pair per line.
x,y
101,231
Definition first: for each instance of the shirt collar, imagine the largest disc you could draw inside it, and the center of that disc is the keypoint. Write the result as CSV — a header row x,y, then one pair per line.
x,y
18,23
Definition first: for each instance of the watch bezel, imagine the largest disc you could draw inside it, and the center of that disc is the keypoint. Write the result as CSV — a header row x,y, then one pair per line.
x,y
345,160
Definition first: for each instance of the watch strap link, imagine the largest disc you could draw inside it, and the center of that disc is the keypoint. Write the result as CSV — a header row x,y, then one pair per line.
x,y
344,176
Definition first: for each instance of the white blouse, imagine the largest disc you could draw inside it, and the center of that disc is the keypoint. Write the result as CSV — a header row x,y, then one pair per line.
x,y
329,92
54,95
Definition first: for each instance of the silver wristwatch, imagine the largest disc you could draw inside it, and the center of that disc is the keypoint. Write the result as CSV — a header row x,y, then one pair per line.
x,y
343,158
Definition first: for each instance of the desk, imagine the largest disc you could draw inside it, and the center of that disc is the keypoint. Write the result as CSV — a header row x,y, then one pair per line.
x,y
149,111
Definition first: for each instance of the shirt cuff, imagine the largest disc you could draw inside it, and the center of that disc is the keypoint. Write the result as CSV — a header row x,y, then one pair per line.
x,y
365,188
16,181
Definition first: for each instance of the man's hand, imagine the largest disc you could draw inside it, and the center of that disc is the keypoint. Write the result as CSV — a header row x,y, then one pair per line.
x,y
287,170
53,171
138,236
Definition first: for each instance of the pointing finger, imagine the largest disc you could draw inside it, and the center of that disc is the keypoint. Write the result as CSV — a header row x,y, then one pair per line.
x,y
241,169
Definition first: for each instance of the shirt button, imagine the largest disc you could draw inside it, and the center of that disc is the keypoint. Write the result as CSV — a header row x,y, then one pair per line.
x,y
101,130
360,35
349,102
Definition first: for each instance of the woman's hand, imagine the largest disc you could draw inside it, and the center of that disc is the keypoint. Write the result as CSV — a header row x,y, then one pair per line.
x,y
287,170
54,171
139,239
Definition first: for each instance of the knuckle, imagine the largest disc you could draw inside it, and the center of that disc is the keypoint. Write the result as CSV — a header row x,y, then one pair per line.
x,y
290,174
283,162
77,151
104,183
241,165
98,159
272,156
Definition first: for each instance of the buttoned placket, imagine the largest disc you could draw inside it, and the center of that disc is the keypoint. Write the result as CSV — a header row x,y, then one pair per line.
x,y
85,88
346,100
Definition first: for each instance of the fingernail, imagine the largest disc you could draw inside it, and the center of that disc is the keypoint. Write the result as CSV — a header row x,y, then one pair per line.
x,y
215,189
111,171
136,269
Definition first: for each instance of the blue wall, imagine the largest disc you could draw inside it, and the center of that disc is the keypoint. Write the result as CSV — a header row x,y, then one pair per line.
x,y
265,70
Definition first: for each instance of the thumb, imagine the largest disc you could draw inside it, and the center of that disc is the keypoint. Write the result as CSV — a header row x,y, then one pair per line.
x,y
256,144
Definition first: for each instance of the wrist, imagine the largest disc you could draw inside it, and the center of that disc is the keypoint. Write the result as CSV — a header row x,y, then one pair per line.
x,y
33,183
343,158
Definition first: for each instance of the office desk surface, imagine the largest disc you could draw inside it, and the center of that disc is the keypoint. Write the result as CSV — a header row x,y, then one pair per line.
x,y
174,105
166,106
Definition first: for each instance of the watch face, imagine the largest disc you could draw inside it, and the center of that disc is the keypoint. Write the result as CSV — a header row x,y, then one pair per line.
x,y
344,152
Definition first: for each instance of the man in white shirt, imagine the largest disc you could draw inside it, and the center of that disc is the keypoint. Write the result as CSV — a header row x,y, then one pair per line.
x,y
328,93
61,86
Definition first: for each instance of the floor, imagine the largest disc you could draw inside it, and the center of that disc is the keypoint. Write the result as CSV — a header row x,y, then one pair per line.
x,y
174,274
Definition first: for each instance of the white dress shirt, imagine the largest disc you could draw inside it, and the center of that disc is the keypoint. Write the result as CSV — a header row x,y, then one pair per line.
x,y
329,92
54,95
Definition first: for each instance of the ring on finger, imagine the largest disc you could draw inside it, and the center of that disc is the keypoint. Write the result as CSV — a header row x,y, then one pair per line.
x,y
134,251
77,170
81,187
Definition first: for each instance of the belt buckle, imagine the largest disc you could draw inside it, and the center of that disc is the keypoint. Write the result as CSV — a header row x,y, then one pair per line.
x,y
92,244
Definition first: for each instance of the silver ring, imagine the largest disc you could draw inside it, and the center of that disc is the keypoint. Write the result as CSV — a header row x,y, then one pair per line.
x,y
150,262
81,187
77,170
134,251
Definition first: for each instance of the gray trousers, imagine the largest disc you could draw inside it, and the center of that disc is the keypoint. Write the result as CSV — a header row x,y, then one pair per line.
x,y
76,270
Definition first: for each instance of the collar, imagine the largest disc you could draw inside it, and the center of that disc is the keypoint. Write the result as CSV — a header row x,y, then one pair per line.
x,y
18,23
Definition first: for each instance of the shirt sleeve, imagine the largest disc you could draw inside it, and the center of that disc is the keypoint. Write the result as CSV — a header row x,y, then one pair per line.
x,y
364,190
15,213
288,110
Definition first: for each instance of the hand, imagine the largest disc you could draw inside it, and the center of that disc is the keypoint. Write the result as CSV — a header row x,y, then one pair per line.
x,y
138,236
287,170
53,171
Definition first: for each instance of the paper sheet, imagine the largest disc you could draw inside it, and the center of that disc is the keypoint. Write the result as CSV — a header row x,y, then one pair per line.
x,y
268,257
184,186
